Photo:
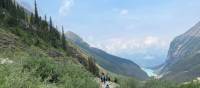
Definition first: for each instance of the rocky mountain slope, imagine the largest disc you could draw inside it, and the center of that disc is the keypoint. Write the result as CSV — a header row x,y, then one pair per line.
x,y
107,61
183,63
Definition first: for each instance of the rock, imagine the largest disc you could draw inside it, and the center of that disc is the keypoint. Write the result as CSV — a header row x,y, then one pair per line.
x,y
55,54
5,61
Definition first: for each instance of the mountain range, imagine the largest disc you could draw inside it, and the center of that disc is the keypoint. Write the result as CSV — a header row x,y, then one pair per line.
x,y
183,63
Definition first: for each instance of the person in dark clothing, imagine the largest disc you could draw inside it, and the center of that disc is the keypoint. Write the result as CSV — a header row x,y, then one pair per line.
x,y
108,78
102,78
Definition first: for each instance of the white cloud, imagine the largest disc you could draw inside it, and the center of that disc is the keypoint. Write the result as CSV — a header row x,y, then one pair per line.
x,y
150,40
131,45
124,12
65,7
149,57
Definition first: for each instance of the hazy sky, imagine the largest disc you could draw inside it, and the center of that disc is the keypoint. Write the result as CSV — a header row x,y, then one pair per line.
x,y
124,27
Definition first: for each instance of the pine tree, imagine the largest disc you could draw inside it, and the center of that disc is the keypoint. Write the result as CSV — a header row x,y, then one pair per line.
x,y
92,66
53,34
3,3
36,13
63,39
50,24
45,18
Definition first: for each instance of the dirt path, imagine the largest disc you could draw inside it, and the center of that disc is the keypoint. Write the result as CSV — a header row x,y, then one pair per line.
x,y
111,84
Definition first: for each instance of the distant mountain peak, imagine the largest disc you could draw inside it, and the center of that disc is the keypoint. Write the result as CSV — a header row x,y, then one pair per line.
x,y
183,56
72,36
194,31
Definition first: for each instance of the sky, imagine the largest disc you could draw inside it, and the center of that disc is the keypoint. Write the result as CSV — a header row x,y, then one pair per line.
x,y
139,30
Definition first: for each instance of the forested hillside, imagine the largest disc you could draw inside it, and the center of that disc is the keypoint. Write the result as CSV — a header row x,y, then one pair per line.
x,y
34,54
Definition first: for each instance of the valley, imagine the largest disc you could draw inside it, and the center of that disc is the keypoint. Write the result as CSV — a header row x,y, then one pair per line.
x,y
35,52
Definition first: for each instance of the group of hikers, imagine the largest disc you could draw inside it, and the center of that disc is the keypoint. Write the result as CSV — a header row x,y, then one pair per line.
x,y
105,80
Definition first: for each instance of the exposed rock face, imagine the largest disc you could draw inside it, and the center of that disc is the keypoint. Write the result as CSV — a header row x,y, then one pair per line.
x,y
8,41
183,62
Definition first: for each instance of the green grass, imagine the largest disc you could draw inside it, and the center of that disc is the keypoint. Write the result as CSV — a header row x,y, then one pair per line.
x,y
190,85
128,82
154,83
34,69
124,81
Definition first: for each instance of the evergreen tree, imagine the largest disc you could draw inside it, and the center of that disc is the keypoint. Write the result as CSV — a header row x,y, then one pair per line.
x,y
45,18
54,34
50,25
3,3
36,13
63,39
92,66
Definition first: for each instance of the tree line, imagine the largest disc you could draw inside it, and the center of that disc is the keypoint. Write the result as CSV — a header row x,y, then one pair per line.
x,y
14,15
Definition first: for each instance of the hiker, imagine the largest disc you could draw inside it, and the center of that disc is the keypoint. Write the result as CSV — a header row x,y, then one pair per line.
x,y
108,78
103,78
107,81
107,86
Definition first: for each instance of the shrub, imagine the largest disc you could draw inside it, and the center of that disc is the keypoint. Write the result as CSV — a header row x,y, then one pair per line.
x,y
33,69
154,83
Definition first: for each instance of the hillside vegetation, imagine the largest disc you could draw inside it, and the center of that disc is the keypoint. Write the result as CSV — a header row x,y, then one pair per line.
x,y
34,69
34,54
